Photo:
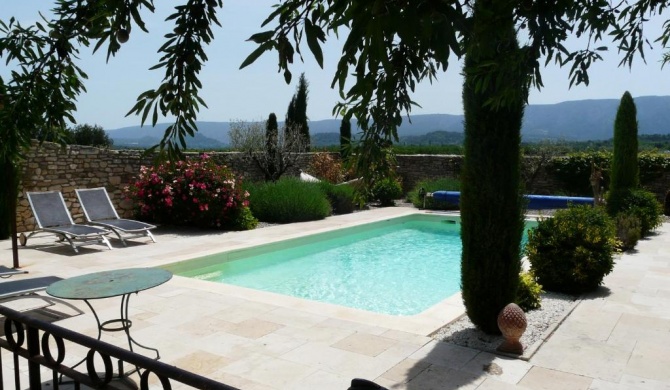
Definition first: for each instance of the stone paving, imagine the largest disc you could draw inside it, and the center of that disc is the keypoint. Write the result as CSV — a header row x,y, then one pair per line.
x,y
616,338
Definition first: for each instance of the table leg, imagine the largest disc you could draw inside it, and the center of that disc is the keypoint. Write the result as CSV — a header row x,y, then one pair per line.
x,y
123,323
125,300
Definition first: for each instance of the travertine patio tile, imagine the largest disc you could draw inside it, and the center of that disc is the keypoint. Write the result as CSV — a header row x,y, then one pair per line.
x,y
445,354
398,352
204,326
404,371
627,307
583,356
181,316
270,371
253,328
630,382
633,328
225,344
291,317
338,361
644,322
503,369
650,360
316,334
539,378
202,362
407,337
366,344
239,382
583,323
353,326
243,311
275,344
494,384
322,380
440,378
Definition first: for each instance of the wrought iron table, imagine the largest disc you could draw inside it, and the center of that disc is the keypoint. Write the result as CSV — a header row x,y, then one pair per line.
x,y
109,284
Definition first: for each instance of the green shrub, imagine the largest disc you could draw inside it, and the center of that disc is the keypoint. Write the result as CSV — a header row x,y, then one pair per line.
x,y
341,197
573,251
432,185
528,294
641,203
666,203
243,219
288,200
386,191
628,230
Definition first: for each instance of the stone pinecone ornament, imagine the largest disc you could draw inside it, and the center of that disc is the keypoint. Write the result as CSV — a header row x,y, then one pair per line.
x,y
512,323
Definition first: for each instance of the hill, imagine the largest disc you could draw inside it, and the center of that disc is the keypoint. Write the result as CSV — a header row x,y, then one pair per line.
x,y
578,120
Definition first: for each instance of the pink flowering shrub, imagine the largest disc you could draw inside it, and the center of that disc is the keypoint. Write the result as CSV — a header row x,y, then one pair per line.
x,y
195,192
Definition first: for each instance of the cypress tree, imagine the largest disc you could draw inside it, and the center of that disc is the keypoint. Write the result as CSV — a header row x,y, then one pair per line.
x,y
490,201
345,137
290,121
625,174
296,115
271,139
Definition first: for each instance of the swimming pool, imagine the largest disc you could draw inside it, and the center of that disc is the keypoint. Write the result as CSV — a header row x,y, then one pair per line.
x,y
400,266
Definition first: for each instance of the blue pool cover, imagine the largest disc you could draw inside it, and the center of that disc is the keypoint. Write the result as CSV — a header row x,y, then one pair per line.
x,y
535,202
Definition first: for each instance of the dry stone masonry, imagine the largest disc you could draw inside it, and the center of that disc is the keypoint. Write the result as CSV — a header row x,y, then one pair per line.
x,y
50,167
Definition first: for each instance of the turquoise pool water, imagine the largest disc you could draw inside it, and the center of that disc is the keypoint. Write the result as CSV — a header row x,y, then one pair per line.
x,y
401,266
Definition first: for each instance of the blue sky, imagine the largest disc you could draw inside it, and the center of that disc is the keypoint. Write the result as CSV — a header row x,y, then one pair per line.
x,y
254,92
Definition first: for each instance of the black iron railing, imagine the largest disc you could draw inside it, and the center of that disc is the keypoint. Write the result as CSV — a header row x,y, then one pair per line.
x,y
32,341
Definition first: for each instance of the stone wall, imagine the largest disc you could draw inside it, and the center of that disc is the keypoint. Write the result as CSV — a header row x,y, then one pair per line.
x,y
52,167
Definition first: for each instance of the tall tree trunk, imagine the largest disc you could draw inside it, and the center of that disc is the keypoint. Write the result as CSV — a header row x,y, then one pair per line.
x,y
494,95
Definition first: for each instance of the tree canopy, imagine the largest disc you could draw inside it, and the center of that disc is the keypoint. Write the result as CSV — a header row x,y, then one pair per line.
x,y
389,47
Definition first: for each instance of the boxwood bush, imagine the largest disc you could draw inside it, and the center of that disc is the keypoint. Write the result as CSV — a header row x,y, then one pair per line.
x,y
386,191
641,203
573,251
341,197
288,200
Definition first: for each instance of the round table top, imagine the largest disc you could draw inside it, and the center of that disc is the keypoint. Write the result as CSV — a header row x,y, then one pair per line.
x,y
107,284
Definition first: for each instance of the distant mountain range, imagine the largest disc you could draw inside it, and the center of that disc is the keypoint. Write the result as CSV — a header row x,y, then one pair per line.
x,y
578,120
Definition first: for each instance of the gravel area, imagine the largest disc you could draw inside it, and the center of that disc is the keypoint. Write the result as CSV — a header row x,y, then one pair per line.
x,y
554,308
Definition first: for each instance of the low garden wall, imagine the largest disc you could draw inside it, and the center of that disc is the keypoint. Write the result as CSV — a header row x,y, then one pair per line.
x,y
53,167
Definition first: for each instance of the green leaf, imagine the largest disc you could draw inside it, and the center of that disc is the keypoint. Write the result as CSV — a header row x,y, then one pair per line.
x,y
255,54
312,34
287,76
261,37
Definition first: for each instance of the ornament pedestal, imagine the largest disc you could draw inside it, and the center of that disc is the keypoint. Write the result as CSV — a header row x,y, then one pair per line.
x,y
512,323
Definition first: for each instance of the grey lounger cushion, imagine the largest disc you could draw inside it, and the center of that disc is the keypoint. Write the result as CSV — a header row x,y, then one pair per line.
x,y
99,210
26,286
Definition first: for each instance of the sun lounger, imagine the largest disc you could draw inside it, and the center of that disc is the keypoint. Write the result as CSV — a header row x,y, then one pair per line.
x,y
6,272
99,210
16,288
51,216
